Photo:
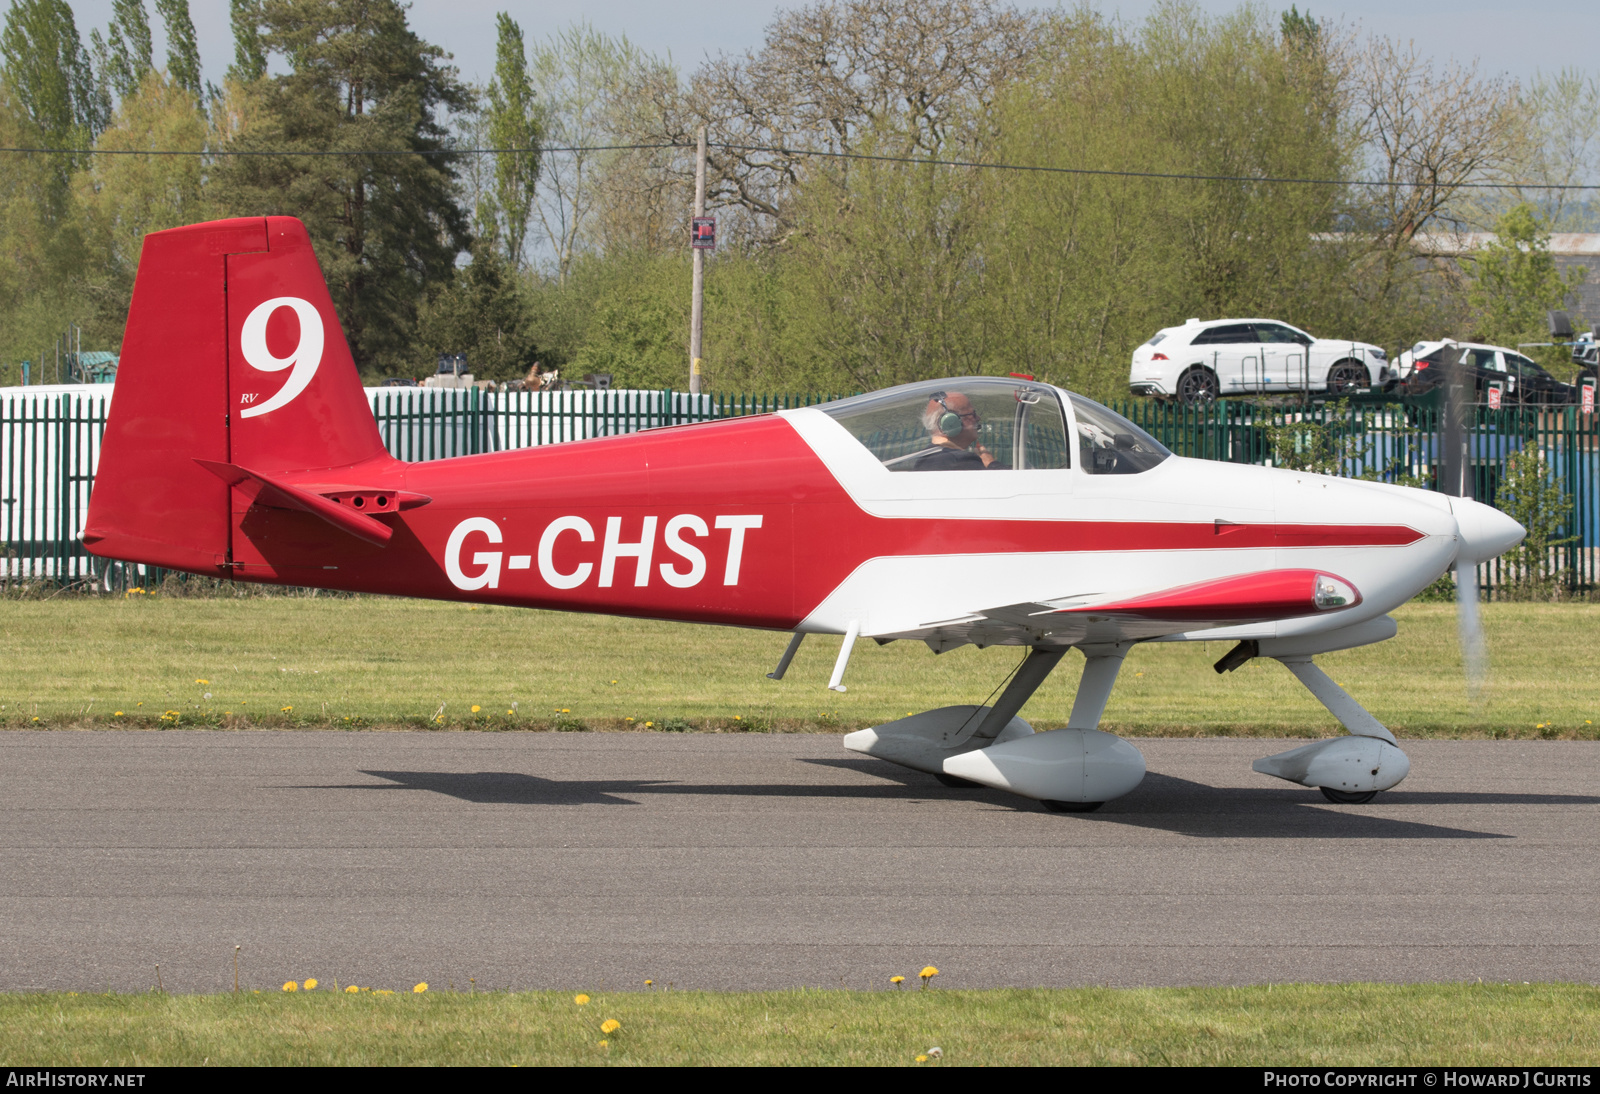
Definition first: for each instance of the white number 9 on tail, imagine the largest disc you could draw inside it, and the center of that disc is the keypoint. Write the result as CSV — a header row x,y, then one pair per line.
x,y
305,357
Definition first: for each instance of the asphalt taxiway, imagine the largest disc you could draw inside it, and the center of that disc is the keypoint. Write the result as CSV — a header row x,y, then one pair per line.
x,y
767,861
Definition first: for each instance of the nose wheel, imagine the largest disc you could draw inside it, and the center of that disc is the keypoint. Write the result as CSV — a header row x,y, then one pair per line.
x,y
1346,797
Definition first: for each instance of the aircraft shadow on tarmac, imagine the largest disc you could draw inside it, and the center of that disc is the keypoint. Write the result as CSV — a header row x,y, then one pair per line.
x,y
1161,801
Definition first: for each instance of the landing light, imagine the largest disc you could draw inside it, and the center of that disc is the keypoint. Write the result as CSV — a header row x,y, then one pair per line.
x,y
1332,593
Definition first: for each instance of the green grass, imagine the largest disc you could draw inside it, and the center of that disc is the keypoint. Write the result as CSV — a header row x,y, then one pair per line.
x,y
380,662
1315,1024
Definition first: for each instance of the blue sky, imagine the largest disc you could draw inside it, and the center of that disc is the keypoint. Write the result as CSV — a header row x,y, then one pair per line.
x,y
1515,39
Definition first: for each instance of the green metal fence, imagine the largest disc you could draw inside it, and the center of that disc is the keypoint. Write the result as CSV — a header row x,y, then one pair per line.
x,y
49,447
50,444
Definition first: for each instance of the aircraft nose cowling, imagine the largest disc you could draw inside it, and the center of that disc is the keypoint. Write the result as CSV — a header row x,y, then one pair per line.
x,y
1483,531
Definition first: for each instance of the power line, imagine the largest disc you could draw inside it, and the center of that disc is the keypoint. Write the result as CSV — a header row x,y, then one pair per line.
x,y
779,150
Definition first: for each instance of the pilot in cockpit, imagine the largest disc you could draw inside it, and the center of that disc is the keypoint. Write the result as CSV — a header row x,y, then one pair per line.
x,y
952,423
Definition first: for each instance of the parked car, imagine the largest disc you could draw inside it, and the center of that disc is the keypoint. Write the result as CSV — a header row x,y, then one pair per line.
x,y
1420,370
1199,362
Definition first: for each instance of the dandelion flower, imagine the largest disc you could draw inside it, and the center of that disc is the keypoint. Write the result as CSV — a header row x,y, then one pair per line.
x,y
351,989
202,681
510,712
649,983
311,985
476,708
647,725
420,988
610,1026
605,1044
922,1059
928,973
566,710
737,718
118,714
581,1000
290,985
286,710
897,980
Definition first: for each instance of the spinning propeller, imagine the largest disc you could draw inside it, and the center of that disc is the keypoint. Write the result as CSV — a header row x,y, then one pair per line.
x,y
1483,531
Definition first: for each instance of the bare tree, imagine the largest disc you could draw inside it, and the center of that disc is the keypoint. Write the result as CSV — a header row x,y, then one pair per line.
x,y
1427,132
911,78
1563,148
578,75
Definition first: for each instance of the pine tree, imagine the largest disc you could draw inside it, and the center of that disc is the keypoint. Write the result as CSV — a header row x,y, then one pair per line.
x,y
515,122
386,227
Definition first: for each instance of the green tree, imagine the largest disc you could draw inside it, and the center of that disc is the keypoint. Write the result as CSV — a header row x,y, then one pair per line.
x,y
1514,280
483,313
1300,32
50,73
249,55
1531,495
123,197
515,122
41,248
128,56
183,55
386,226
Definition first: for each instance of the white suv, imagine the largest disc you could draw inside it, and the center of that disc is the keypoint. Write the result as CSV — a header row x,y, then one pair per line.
x,y
1199,362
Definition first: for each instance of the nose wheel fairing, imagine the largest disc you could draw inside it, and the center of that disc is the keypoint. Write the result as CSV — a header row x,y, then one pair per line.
x,y
1348,770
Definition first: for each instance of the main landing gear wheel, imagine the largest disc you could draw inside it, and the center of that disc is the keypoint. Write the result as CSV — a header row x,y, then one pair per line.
x,y
1346,797
1071,807
1346,377
1198,385
956,782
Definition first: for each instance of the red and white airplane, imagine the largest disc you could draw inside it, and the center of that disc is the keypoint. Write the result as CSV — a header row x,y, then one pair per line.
x,y
1000,512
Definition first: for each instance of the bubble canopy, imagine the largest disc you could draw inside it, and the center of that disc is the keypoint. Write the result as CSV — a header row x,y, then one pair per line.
x,y
992,423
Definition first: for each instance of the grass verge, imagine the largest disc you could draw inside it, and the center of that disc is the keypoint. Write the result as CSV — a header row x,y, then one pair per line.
x,y
1285,1024
359,662
1369,1024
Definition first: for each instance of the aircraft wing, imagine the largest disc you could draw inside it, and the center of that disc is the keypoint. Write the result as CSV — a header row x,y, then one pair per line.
x,y
1260,597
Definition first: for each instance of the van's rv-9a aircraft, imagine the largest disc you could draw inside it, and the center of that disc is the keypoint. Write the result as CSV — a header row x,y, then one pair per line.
x,y
1000,512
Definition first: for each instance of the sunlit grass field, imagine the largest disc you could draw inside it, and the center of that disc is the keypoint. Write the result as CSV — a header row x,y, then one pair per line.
x,y
344,662
1318,1025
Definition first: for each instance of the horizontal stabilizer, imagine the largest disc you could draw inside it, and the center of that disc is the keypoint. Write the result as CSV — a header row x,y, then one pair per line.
x,y
281,495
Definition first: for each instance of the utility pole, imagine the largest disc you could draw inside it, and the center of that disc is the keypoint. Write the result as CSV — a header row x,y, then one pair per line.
x,y
697,307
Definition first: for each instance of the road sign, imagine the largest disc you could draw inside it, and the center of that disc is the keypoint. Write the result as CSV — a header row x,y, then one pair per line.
x,y
703,233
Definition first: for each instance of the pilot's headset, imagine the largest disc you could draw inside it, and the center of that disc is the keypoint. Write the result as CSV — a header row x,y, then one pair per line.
x,y
949,420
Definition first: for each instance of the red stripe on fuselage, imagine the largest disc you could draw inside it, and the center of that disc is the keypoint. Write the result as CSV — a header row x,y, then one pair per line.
x,y
811,538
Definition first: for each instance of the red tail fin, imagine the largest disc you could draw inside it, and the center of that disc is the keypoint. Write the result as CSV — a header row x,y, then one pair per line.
x,y
232,355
